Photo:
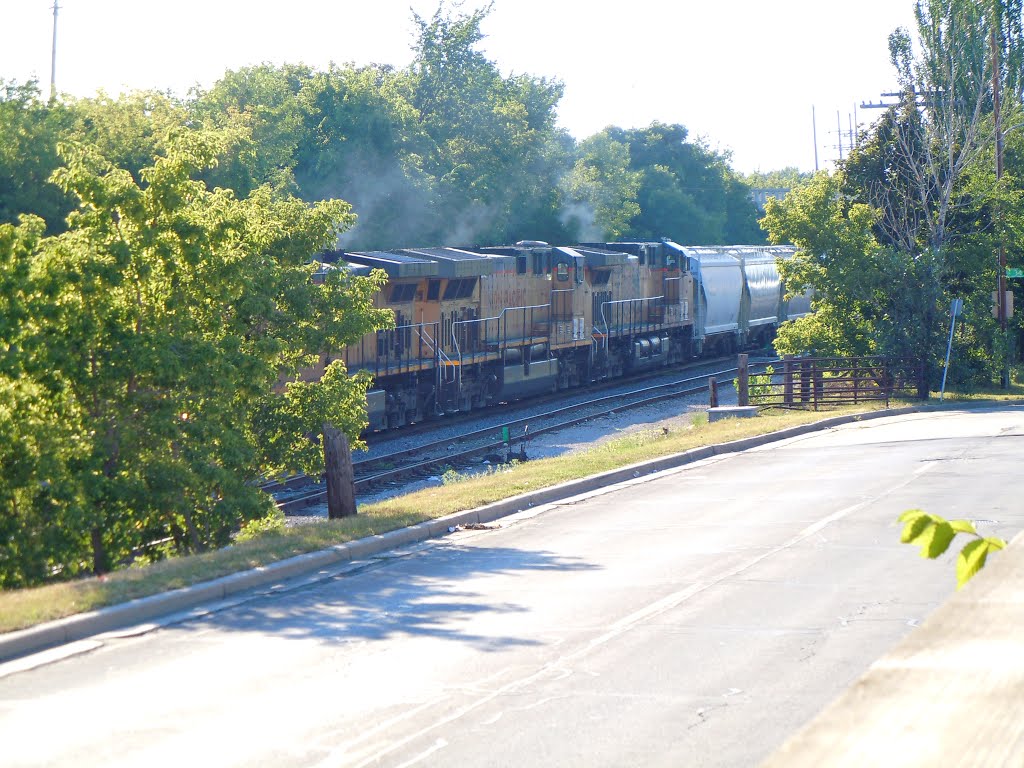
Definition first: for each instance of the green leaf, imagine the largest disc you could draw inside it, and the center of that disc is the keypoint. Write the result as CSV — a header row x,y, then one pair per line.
x,y
936,539
931,532
911,514
963,526
914,528
971,560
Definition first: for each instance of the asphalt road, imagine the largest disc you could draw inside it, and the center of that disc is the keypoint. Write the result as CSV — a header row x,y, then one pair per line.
x,y
697,617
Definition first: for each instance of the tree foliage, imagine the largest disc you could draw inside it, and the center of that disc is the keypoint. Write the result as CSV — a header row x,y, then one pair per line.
x,y
784,178
686,190
29,132
156,328
653,182
489,134
603,189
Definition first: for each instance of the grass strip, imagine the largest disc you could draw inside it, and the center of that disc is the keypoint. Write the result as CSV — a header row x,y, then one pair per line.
x,y
26,607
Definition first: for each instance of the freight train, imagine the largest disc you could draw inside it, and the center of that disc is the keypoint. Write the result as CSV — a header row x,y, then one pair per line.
x,y
481,325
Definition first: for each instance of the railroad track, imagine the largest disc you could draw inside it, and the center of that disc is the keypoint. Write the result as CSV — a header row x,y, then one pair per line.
x,y
431,457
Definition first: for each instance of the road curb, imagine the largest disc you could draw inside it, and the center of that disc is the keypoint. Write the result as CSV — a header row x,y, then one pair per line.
x,y
80,626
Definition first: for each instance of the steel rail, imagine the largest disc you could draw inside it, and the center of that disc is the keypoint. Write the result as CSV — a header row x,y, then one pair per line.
x,y
647,396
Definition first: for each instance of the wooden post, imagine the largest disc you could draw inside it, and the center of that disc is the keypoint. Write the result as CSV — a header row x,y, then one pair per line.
x,y
713,392
341,484
743,379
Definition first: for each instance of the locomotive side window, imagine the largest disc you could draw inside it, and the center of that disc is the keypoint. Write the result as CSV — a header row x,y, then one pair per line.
x,y
402,292
459,289
520,265
562,271
433,290
600,276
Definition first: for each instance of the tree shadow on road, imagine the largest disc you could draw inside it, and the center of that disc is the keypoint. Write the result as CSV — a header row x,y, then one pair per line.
x,y
419,592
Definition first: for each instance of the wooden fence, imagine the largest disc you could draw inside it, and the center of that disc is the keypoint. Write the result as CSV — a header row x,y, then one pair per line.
x,y
822,382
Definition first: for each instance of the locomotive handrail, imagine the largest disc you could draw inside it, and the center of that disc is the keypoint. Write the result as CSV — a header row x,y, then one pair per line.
x,y
484,321
441,356
607,331
498,318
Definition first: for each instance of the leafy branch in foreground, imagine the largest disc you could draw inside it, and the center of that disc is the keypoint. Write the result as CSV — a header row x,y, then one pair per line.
x,y
934,534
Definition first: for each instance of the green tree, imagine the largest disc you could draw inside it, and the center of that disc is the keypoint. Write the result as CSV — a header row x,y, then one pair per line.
x,y
943,132
265,109
130,129
602,190
162,319
653,182
686,190
29,132
365,143
789,177
490,136
38,445
840,259
921,199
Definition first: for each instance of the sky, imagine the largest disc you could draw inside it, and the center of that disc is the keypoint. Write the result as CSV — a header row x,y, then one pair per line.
x,y
744,75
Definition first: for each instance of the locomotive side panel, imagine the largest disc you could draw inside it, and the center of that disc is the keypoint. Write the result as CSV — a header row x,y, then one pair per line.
x,y
523,323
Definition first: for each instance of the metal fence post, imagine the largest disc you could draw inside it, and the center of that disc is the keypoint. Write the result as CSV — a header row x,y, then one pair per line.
x,y
805,382
787,380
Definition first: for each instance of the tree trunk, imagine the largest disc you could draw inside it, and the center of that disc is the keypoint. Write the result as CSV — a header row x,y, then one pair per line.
x,y
99,553
341,486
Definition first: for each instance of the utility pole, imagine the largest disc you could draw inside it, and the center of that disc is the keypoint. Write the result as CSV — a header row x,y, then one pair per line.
x,y
839,127
814,129
53,55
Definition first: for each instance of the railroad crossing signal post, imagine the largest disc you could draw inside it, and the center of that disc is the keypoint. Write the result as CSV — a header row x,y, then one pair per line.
x,y
955,308
1012,273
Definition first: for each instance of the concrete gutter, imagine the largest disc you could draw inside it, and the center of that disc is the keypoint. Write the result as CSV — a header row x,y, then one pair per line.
x,y
314,566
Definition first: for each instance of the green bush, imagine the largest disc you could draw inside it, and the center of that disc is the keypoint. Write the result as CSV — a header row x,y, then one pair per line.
x,y
272,523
